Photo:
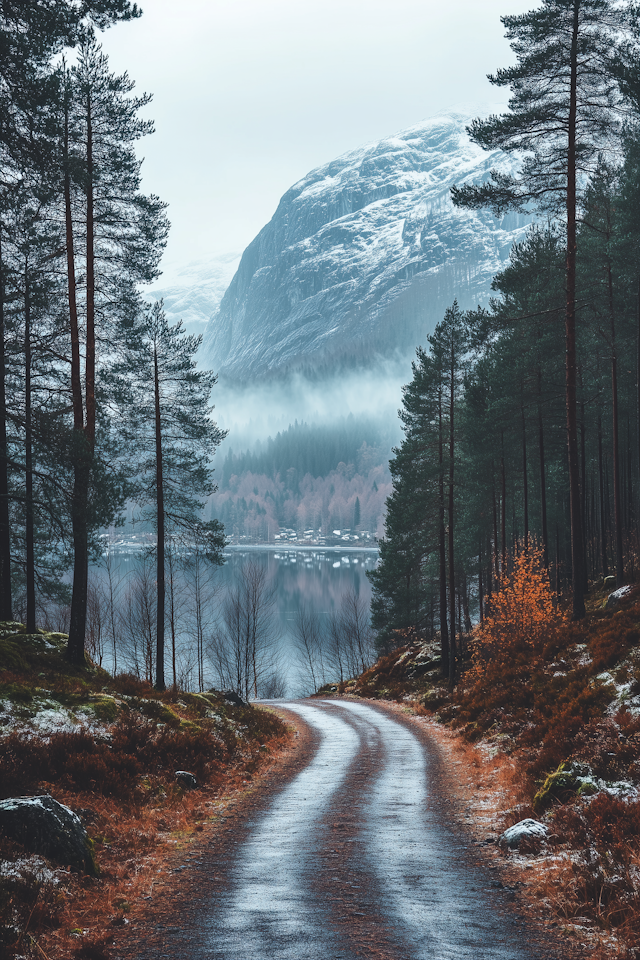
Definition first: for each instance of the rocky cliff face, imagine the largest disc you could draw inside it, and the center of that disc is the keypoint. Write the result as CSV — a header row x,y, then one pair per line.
x,y
362,257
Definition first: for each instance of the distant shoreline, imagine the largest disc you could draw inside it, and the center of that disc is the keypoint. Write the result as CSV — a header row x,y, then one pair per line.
x,y
302,547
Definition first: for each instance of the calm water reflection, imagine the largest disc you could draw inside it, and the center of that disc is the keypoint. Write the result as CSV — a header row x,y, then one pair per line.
x,y
315,578
311,577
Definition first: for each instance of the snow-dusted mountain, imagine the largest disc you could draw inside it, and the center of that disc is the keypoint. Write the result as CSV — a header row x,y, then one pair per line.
x,y
192,292
362,256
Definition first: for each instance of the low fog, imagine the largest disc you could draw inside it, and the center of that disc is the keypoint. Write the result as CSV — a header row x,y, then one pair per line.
x,y
254,412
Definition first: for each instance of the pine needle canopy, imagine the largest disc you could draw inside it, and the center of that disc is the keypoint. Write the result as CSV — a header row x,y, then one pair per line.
x,y
564,83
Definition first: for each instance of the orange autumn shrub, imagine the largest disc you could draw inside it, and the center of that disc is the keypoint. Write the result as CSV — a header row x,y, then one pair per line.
x,y
518,620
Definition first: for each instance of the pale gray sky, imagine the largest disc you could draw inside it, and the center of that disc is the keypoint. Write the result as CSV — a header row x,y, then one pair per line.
x,y
249,95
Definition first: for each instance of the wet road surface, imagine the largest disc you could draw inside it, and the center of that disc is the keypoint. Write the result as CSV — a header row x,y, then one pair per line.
x,y
354,857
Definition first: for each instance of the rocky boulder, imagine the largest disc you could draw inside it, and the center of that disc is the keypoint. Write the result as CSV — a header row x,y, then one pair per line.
x,y
232,697
46,827
524,830
614,598
186,779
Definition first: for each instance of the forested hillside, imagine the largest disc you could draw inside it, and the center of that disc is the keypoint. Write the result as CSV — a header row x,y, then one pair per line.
x,y
318,477
521,422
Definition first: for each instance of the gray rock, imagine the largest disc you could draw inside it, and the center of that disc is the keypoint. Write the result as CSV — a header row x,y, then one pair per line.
x,y
232,697
46,827
419,669
364,253
524,830
614,598
186,779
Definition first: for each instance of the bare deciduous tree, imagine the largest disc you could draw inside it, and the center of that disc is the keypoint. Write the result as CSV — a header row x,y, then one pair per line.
x,y
309,649
343,649
243,650
350,646
202,593
139,622
97,623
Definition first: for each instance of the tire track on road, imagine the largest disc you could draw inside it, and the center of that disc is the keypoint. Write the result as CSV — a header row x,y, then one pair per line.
x,y
355,855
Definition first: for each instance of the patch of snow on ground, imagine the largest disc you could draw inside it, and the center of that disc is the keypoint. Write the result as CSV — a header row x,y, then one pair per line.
x,y
606,677
52,719
619,593
48,716
621,789
33,867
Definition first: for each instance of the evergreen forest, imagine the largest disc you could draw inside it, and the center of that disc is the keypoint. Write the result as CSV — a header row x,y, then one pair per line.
x,y
522,421
318,477
101,403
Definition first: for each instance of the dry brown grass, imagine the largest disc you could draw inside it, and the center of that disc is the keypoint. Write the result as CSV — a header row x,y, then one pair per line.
x,y
118,773
137,849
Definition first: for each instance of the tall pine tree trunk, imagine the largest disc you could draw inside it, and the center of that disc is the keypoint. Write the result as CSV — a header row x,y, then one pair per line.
x,y
617,496
480,583
496,553
525,483
583,488
452,582
90,371
617,504
577,562
503,514
160,684
75,650
172,615
28,461
442,557
543,489
6,606
84,453
76,379
603,518
638,377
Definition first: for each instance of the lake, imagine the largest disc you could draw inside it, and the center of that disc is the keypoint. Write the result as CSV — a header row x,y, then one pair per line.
x,y
316,580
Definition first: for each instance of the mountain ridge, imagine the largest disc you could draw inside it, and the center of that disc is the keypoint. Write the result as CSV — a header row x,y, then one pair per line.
x,y
363,254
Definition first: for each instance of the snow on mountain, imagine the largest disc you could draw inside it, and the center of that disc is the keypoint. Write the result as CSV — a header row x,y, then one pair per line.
x,y
192,292
362,256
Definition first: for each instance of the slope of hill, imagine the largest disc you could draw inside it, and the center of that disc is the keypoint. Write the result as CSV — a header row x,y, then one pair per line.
x,y
550,732
363,255
146,772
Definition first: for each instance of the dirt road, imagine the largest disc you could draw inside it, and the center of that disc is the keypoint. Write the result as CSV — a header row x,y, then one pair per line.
x,y
355,856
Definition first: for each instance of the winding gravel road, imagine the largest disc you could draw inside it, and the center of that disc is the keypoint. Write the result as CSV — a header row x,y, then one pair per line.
x,y
354,857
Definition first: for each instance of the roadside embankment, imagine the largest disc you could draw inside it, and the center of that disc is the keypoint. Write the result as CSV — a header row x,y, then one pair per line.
x,y
147,773
548,729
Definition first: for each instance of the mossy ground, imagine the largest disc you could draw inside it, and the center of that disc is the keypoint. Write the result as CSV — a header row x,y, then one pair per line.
x,y
109,749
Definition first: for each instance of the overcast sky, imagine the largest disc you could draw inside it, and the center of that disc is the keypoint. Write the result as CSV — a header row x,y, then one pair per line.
x,y
249,95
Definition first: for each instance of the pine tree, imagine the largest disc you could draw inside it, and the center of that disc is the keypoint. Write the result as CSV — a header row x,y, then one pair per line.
x,y
123,233
31,34
563,112
418,550
34,433
599,281
449,345
172,424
